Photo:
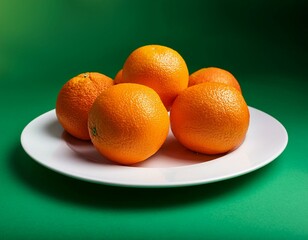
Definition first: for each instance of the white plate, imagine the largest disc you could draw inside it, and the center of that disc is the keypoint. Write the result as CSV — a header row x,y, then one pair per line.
x,y
173,165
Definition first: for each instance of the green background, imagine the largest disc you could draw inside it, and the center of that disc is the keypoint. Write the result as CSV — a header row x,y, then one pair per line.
x,y
44,43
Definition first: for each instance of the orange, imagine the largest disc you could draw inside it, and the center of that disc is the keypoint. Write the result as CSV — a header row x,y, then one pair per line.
x,y
128,123
118,77
210,118
213,74
158,67
75,99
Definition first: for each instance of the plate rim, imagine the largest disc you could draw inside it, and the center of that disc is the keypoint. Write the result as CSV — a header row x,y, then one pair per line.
x,y
174,168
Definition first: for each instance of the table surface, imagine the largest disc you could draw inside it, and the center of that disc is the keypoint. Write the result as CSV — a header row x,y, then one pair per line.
x,y
45,43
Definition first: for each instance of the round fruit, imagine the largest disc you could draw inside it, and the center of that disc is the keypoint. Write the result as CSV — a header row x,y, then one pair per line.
x,y
213,74
128,123
210,118
158,67
75,99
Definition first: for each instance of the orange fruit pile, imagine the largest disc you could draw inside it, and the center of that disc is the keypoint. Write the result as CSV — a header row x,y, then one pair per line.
x,y
127,118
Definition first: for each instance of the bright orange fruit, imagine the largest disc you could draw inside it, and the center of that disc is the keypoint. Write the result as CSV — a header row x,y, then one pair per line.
x,y
210,118
128,123
75,99
158,67
213,74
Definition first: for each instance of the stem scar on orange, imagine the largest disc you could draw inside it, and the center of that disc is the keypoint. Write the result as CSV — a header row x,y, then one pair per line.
x,y
75,99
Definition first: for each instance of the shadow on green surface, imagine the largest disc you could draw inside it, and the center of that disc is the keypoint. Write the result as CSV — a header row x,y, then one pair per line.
x,y
74,191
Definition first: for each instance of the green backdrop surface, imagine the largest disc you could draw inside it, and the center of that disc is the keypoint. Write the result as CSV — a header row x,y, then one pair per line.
x,y
44,43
